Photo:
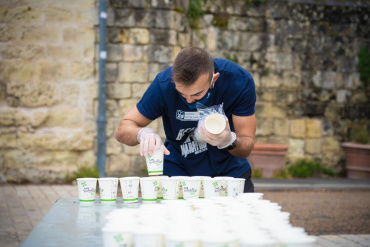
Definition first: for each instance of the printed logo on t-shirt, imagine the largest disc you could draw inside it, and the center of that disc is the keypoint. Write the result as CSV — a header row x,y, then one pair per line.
x,y
187,115
192,146
183,132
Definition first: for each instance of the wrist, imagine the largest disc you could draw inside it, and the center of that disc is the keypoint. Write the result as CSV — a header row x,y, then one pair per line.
x,y
231,144
142,131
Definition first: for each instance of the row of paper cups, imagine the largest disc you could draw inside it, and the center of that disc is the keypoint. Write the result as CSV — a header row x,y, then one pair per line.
x,y
159,187
244,221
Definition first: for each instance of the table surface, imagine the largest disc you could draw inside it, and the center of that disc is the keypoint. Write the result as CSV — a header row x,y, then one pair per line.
x,y
69,223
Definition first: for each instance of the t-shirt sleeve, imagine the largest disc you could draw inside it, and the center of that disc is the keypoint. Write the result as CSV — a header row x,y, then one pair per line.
x,y
246,100
151,104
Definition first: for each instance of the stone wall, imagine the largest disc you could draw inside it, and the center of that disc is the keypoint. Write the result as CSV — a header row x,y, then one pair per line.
x,y
47,88
302,54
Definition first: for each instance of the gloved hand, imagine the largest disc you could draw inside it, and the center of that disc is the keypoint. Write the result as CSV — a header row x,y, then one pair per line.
x,y
149,141
222,140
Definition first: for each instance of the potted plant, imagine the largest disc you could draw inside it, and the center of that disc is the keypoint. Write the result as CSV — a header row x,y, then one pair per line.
x,y
268,158
357,152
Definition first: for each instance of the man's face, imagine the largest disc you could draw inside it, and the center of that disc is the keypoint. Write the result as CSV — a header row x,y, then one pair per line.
x,y
197,90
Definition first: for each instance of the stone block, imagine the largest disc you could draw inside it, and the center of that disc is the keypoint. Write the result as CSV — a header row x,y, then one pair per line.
x,y
251,41
62,140
112,108
281,127
131,150
298,128
139,36
126,105
46,34
111,72
112,125
264,127
113,146
24,14
313,146
59,14
291,79
271,81
296,147
81,36
82,71
132,53
33,95
65,51
124,17
154,69
10,32
211,39
8,140
69,93
278,139
342,95
184,39
139,89
174,51
17,71
133,72
331,144
87,16
159,53
352,81
114,52
22,51
39,117
118,164
327,80
313,128
70,118
52,71
118,91
13,117
87,158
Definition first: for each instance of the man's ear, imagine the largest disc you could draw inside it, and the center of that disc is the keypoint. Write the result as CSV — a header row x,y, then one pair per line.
x,y
217,75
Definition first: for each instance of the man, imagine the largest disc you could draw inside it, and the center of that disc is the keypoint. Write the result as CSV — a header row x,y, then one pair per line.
x,y
196,77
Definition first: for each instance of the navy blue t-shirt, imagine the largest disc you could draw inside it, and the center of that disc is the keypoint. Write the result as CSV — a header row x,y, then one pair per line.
x,y
234,88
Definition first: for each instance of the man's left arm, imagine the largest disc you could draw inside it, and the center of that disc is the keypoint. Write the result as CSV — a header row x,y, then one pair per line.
x,y
245,130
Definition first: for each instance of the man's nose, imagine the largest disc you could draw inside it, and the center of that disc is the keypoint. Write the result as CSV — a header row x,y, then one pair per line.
x,y
189,99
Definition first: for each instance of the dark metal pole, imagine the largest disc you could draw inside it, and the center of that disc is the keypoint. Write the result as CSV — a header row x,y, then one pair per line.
x,y
101,156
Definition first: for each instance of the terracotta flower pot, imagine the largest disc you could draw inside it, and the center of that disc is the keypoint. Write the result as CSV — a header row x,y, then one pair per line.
x,y
357,159
268,158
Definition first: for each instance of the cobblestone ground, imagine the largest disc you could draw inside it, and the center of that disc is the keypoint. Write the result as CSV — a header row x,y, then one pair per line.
x,y
321,212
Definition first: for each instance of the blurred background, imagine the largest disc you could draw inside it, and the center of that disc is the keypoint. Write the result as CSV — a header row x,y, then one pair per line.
x,y
310,61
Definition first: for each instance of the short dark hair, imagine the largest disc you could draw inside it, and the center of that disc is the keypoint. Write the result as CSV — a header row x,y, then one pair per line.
x,y
191,63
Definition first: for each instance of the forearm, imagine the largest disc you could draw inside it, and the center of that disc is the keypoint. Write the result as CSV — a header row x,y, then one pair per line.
x,y
244,146
127,131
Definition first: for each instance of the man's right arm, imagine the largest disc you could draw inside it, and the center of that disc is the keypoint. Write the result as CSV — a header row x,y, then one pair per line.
x,y
130,126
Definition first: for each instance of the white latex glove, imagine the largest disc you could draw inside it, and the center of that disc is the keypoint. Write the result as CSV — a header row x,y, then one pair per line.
x,y
149,142
222,140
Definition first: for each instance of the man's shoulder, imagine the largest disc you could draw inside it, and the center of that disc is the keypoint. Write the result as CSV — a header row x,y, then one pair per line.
x,y
164,76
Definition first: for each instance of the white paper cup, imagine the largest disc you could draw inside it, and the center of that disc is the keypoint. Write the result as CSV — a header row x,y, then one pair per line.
x,y
242,183
215,123
224,184
160,192
170,188
114,237
130,189
149,189
212,187
154,162
86,189
181,195
233,187
108,189
190,187
201,191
